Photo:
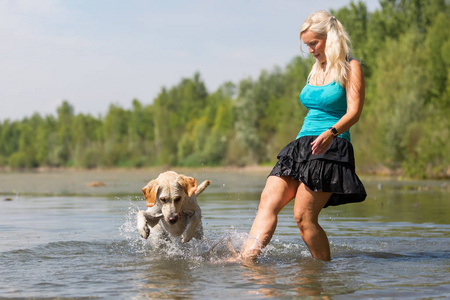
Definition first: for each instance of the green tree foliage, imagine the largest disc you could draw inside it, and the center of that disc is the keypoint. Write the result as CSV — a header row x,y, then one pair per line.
x,y
404,48
178,109
88,141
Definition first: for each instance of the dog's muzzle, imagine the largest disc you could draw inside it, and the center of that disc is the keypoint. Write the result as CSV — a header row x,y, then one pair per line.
x,y
173,220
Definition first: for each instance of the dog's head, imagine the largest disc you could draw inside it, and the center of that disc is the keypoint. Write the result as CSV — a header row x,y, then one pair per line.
x,y
169,191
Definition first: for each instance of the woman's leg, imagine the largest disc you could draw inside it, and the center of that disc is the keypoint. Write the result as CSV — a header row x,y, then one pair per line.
x,y
276,194
307,207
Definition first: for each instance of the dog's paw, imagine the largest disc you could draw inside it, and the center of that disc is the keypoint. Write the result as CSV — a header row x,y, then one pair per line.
x,y
142,225
144,232
185,238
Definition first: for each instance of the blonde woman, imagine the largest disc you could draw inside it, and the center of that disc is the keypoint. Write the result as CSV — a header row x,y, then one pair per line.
x,y
317,168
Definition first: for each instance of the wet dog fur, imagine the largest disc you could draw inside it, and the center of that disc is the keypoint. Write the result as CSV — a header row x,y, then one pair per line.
x,y
172,207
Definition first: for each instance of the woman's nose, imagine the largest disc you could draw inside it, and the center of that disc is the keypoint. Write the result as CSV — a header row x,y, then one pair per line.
x,y
311,50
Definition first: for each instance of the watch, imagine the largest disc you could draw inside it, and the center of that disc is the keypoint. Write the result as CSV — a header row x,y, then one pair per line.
x,y
333,131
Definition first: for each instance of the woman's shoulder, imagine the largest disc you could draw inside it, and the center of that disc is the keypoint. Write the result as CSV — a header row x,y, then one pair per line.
x,y
355,74
353,61
355,65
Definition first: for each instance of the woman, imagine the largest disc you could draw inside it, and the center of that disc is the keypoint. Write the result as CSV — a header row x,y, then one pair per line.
x,y
317,169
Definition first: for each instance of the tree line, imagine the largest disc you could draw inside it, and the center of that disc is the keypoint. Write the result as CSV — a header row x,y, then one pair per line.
x,y
404,48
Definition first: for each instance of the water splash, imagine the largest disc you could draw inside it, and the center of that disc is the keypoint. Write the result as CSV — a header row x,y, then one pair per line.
x,y
215,247
128,229
218,246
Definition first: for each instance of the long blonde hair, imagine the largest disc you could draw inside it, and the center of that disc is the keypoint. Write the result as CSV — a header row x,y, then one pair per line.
x,y
337,46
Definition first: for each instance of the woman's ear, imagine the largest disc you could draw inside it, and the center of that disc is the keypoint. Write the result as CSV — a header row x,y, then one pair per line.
x,y
150,191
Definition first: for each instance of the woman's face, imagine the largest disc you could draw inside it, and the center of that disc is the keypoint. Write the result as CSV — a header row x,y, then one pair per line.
x,y
316,45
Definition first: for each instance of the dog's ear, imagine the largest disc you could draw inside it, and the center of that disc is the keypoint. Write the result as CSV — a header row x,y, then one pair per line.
x,y
150,191
189,184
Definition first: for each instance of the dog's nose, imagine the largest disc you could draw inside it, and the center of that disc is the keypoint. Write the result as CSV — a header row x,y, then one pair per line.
x,y
173,220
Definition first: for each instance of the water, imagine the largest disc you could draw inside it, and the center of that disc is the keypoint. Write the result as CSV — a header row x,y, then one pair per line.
x,y
61,238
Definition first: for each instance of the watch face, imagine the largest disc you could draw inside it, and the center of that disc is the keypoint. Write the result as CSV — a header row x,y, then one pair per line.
x,y
334,130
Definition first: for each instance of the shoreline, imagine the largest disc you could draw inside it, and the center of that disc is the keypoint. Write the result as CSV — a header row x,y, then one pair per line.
x,y
378,171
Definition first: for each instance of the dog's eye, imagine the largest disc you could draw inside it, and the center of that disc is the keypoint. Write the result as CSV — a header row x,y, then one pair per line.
x,y
163,200
177,199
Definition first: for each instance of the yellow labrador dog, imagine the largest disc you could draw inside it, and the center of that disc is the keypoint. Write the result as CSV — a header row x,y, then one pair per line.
x,y
172,207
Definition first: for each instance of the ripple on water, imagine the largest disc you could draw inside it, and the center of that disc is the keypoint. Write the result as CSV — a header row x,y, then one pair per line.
x,y
391,259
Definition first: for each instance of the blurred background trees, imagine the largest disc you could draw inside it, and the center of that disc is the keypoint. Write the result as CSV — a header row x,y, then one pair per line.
x,y
404,48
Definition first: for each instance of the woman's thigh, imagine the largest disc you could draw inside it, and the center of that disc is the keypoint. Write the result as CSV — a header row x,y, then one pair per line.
x,y
308,203
278,192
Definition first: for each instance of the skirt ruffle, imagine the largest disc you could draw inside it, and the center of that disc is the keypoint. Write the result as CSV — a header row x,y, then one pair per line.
x,y
332,171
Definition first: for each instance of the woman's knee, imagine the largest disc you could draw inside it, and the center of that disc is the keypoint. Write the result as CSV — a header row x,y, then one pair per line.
x,y
269,202
308,206
299,219
298,216
305,220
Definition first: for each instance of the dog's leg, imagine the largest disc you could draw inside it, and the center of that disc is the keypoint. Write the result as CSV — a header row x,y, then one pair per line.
x,y
147,219
191,227
199,231
142,227
202,187
153,215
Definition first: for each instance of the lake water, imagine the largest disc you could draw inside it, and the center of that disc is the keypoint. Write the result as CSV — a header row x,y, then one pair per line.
x,y
61,238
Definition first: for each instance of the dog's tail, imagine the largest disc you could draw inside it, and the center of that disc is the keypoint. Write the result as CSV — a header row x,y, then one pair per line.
x,y
202,187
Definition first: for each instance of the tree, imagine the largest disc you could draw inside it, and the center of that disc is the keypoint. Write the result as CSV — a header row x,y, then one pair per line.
x,y
65,114
176,107
115,132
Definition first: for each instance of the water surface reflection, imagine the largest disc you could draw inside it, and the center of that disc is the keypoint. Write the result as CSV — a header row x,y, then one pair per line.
x,y
63,238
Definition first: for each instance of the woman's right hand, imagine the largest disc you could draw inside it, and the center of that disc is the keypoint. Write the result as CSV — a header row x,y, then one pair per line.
x,y
322,142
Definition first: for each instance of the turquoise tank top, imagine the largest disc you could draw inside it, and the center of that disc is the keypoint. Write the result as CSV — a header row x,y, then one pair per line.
x,y
326,105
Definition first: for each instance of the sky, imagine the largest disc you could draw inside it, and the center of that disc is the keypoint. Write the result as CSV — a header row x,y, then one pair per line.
x,y
94,53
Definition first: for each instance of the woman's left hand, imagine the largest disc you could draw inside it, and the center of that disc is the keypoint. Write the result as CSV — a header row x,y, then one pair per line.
x,y
322,142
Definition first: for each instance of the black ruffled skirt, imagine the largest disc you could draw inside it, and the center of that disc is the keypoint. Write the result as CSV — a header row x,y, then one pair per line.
x,y
332,171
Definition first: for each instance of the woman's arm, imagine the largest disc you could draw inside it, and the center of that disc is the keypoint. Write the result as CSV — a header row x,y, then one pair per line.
x,y
355,88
